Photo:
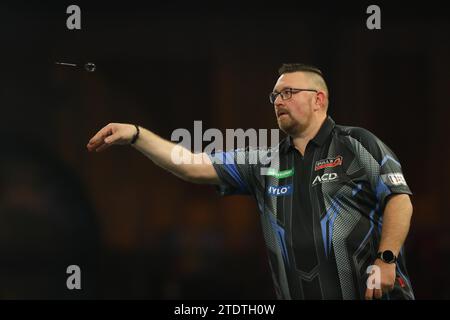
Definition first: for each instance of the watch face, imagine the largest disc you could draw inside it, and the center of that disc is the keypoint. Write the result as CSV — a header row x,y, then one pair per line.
x,y
388,256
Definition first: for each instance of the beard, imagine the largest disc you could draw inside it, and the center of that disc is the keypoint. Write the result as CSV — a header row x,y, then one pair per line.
x,y
293,127
288,125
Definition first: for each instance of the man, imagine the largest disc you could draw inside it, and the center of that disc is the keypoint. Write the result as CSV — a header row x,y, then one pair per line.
x,y
333,204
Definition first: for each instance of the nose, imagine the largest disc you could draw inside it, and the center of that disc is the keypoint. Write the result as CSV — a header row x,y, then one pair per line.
x,y
279,106
278,101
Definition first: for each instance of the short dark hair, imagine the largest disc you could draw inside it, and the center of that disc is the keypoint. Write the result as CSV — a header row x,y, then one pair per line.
x,y
298,67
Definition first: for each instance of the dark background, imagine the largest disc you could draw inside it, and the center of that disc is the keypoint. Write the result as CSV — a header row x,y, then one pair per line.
x,y
138,232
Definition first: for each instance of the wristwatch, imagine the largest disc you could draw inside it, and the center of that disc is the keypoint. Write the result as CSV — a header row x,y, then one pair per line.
x,y
387,256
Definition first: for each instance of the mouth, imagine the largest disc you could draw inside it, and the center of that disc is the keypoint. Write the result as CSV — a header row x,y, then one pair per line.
x,y
281,113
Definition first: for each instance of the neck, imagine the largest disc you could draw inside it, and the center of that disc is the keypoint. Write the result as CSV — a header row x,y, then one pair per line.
x,y
301,139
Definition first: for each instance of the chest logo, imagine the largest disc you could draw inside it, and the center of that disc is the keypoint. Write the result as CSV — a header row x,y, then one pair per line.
x,y
327,177
280,190
280,174
328,163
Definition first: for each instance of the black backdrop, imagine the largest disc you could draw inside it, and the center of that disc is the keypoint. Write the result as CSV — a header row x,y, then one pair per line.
x,y
139,232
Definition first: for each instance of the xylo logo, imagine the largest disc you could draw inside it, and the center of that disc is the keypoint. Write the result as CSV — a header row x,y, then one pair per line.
x,y
280,190
327,177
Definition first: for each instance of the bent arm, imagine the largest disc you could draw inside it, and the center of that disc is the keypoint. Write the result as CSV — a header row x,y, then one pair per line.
x,y
197,169
396,221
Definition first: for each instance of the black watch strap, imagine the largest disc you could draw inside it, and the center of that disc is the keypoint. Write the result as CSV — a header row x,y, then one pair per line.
x,y
387,256
136,135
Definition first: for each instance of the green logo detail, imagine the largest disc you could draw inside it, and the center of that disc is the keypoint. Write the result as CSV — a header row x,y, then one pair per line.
x,y
280,174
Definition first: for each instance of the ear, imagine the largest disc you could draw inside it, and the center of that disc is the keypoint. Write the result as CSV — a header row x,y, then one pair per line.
x,y
320,99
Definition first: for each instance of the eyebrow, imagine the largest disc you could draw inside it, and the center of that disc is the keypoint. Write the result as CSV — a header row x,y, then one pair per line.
x,y
283,88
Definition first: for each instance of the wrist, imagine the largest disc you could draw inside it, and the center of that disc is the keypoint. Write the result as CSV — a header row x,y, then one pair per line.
x,y
387,256
136,135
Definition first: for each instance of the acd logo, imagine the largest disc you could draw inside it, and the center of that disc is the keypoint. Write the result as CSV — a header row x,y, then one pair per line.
x,y
326,177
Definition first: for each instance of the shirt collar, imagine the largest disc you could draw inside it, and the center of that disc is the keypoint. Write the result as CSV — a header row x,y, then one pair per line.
x,y
324,131
320,138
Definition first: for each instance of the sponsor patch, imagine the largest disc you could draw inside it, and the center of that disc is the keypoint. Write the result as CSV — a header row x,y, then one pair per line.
x,y
327,177
396,179
280,174
280,190
328,163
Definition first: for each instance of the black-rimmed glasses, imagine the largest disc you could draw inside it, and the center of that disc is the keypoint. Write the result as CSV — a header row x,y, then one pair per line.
x,y
286,93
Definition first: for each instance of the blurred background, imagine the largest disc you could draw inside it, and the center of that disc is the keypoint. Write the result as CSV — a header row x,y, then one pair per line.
x,y
138,232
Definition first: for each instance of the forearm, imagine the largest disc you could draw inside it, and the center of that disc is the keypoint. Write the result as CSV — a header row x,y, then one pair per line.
x,y
161,151
172,157
396,221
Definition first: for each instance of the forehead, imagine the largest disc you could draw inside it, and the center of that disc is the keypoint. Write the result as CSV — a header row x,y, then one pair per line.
x,y
291,80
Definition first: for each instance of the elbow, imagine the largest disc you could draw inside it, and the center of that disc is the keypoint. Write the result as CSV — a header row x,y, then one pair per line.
x,y
408,204
411,208
191,175
401,202
201,174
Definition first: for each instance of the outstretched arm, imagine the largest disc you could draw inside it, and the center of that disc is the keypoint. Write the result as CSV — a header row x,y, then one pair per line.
x,y
199,168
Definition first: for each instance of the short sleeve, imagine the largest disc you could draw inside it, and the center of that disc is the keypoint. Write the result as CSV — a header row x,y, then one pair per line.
x,y
382,166
235,170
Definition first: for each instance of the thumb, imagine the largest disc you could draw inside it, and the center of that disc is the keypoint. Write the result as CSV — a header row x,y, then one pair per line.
x,y
112,138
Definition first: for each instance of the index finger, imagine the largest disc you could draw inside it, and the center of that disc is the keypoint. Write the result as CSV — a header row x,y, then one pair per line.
x,y
369,294
100,136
